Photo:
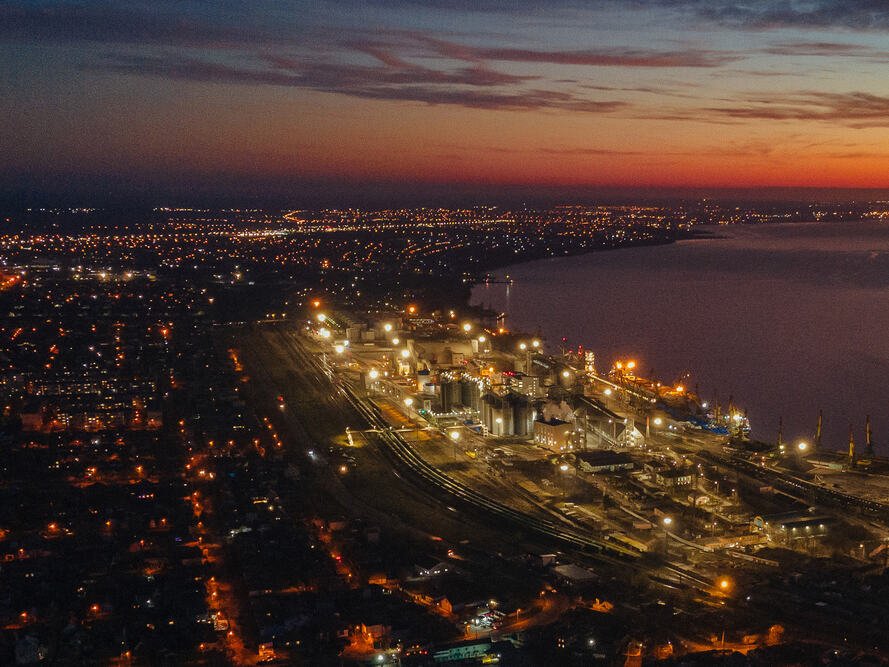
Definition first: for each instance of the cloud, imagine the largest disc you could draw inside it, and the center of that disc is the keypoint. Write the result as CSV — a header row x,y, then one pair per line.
x,y
828,49
117,24
610,57
857,15
366,82
855,109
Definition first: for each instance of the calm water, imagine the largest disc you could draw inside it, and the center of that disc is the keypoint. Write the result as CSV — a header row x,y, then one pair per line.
x,y
787,319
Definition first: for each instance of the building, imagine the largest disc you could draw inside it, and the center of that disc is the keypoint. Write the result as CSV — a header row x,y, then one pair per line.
x,y
554,434
671,478
604,460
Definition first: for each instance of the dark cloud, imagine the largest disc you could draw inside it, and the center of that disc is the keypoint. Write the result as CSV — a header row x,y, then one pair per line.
x,y
610,57
118,24
364,82
857,15
863,15
856,109
828,49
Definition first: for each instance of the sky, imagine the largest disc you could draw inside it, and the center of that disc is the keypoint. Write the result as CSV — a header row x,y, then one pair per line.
x,y
410,98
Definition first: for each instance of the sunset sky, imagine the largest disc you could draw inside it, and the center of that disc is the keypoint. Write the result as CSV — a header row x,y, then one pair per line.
x,y
171,98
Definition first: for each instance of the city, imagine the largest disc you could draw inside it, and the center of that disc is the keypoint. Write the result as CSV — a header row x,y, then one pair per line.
x,y
444,332
246,465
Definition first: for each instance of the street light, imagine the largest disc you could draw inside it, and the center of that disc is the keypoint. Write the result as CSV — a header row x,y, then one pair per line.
x,y
802,446
455,437
321,317
523,346
387,327
374,374
667,521
467,327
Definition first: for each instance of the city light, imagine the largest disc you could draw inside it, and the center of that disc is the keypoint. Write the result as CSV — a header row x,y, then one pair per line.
x,y
467,327
321,317
405,353
387,327
373,374
802,446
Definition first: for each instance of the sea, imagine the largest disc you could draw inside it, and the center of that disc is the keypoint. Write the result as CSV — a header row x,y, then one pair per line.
x,y
783,320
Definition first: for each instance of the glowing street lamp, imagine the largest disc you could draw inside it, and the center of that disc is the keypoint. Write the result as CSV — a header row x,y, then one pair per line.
x,y
373,374
467,327
455,438
387,327
405,353
321,317
667,521
523,346
802,446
